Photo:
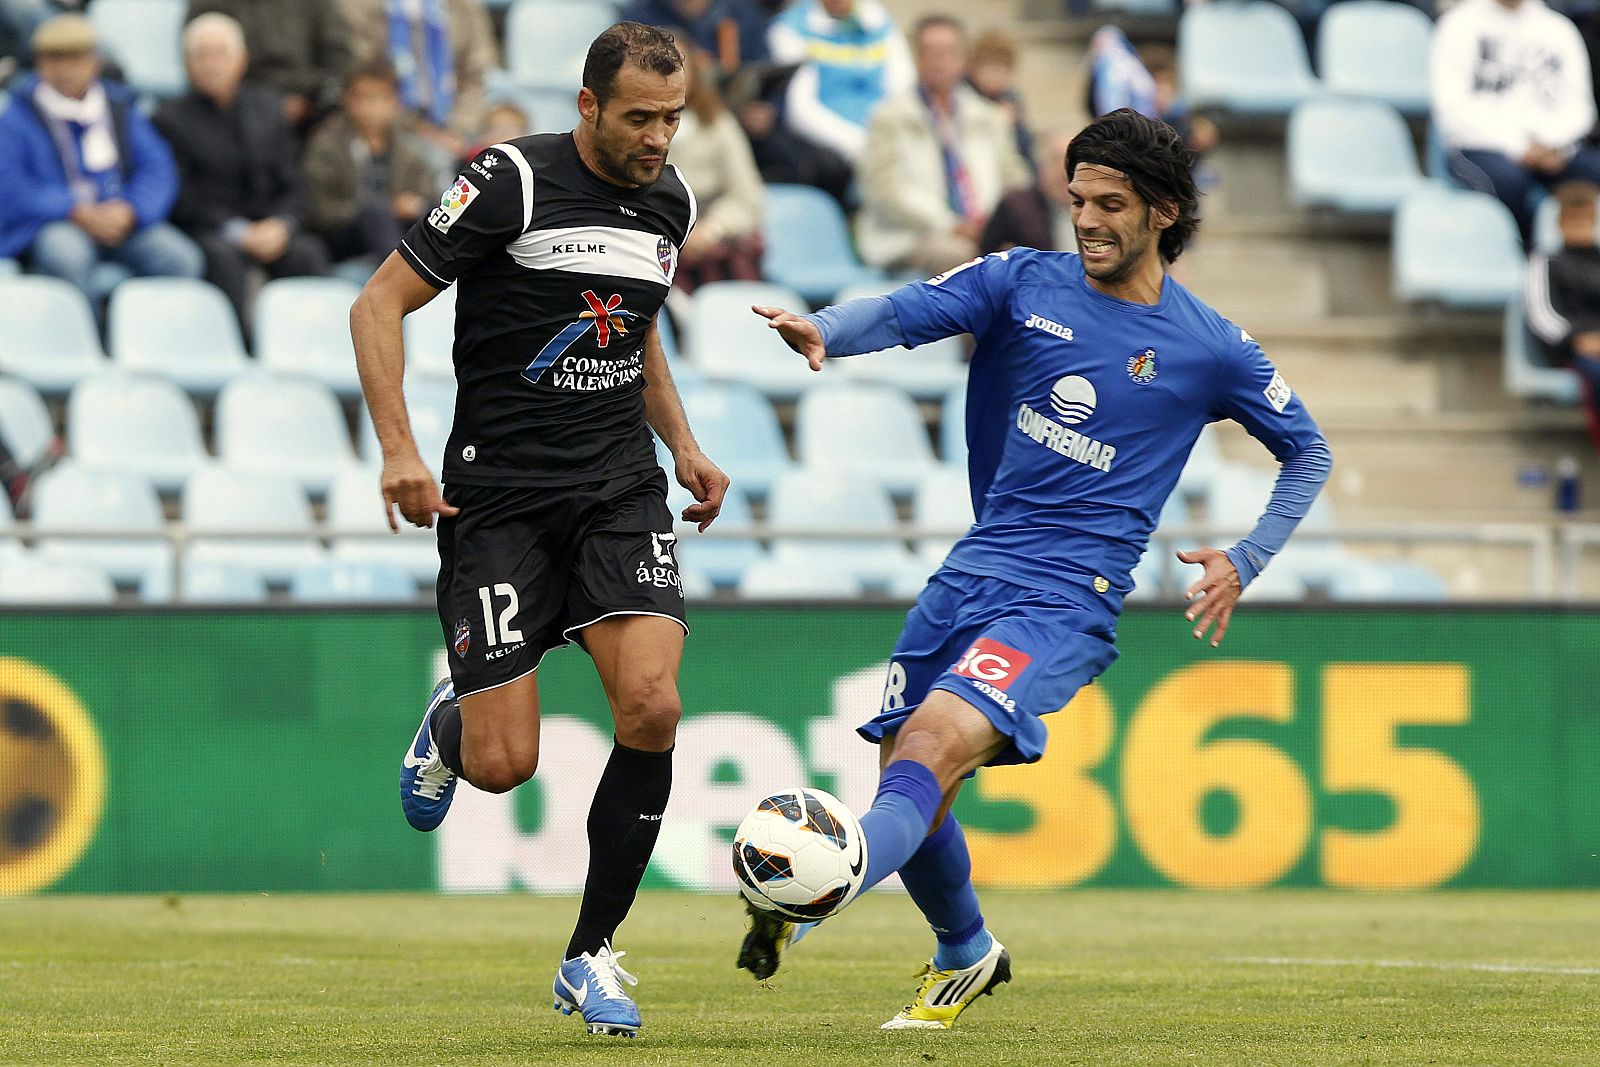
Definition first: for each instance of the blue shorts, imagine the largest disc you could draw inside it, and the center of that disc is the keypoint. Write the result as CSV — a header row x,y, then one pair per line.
x,y
1013,653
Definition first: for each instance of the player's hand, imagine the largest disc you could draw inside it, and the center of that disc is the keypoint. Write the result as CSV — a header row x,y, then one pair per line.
x,y
409,483
706,481
1214,594
799,333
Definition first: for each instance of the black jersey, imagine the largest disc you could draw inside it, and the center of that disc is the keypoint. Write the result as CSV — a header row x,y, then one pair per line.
x,y
561,275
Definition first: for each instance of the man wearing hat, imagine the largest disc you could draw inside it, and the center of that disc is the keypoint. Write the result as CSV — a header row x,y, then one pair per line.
x,y
88,177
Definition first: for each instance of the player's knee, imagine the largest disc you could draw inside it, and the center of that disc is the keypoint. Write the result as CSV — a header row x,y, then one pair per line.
x,y
502,770
647,714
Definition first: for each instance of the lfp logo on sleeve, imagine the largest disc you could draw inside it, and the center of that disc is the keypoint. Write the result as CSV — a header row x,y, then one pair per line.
x,y
452,204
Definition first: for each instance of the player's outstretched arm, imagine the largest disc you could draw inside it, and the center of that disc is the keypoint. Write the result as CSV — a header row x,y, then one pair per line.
x,y
797,331
1213,595
663,407
393,292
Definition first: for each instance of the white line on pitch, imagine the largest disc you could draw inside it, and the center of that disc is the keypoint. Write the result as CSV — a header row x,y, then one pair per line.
x,y
1495,968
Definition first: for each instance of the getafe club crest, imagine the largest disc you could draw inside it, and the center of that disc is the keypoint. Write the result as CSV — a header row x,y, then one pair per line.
x,y
664,257
1142,366
463,638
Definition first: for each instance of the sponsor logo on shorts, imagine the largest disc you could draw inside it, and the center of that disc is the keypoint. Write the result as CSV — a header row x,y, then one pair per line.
x,y
664,573
992,663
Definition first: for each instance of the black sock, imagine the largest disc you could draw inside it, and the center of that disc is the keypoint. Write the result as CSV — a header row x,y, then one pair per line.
x,y
623,824
446,730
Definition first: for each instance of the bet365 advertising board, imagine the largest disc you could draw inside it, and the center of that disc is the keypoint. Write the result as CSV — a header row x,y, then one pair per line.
x,y
158,752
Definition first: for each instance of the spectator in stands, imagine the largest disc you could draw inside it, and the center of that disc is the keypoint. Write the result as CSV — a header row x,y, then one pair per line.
x,y
442,51
298,48
241,195
1041,215
1147,82
1199,133
714,156
851,57
367,173
733,31
502,120
992,70
1563,295
1513,100
90,180
938,160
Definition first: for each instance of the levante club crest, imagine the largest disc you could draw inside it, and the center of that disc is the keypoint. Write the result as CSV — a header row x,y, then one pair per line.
x,y
463,638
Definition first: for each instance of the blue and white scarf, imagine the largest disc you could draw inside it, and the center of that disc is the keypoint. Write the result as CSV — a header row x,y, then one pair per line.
x,y
428,80
85,141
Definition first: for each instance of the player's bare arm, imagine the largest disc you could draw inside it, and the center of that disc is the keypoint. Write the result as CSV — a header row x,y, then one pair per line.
x,y
1213,594
798,332
394,292
663,407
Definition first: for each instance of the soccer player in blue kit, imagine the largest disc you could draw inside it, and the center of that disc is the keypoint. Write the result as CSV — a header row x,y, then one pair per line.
x,y
1092,376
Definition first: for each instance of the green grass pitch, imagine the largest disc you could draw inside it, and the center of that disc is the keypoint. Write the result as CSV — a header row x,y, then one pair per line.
x,y
1292,977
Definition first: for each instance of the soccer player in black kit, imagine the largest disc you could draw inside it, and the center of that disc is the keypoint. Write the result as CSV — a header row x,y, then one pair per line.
x,y
553,524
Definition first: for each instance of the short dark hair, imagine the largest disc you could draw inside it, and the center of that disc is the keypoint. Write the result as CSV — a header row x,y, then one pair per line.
x,y
380,70
647,47
928,22
1159,166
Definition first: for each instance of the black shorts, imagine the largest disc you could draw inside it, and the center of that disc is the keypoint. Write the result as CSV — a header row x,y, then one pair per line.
x,y
522,570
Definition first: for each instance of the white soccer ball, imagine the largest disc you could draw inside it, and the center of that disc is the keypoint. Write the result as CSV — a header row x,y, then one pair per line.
x,y
801,854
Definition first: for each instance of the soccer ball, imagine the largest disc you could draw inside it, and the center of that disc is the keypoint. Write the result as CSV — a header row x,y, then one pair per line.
x,y
800,854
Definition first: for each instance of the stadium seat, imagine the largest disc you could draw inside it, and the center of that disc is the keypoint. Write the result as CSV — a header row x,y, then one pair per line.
x,y
953,426
872,287
25,427
738,429
74,499
219,504
865,430
729,342
927,372
215,582
1150,575
1139,9
546,41
941,502
818,511
1280,583
9,267
1456,247
720,558
1521,375
302,326
50,336
1354,156
1389,580
772,580
697,585
808,245
1205,459
360,533
1376,49
351,582
135,423
145,38
431,407
1236,501
283,426
1245,56
430,333
179,328
39,578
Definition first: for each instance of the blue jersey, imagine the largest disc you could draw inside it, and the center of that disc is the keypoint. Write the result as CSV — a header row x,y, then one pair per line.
x,y
1082,410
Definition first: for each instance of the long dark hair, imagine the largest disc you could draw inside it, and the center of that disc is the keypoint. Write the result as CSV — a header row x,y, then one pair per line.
x,y
1159,166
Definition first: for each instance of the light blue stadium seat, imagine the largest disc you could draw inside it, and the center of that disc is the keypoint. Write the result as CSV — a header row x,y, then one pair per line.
x,y
430,333
40,578
808,244
1143,9
1351,155
50,337
1280,583
721,559
697,585
820,509
772,580
729,342
431,406
135,423
215,582
25,426
360,534
941,502
1236,501
179,328
953,427
1457,248
1376,49
302,326
1245,56
219,501
1205,459
548,110
9,267
1389,580
1150,576
546,41
74,499
145,38
738,429
927,372
283,426
1523,376
865,430
352,582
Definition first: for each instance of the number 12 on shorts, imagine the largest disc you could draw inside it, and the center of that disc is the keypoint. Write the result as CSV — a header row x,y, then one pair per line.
x,y
505,634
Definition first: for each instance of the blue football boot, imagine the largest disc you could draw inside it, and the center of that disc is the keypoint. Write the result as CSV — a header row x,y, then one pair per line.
x,y
592,986
426,784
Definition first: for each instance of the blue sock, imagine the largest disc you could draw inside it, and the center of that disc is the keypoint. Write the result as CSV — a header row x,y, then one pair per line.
x,y
939,879
895,826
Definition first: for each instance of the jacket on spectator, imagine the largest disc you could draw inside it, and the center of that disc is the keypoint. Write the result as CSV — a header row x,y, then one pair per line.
x,y
1563,299
904,197
746,16
1504,80
32,169
472,50
238,164
297,47
336,165
848,66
